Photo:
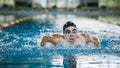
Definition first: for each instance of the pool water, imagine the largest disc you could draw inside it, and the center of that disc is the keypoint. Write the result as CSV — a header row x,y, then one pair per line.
x,y
20,44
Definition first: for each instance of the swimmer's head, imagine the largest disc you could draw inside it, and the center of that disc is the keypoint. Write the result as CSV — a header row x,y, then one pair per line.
x,y
70,32
68,24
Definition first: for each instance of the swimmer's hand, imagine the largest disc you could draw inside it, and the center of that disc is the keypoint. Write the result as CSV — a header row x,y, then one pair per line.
x,y
96,41
44,40
53,39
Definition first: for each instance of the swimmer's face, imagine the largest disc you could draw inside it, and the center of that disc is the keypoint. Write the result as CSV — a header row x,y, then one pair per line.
x,y
70,34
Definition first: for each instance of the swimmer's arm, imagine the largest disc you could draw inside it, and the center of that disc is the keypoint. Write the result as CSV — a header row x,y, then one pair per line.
x,y
53,39
89,38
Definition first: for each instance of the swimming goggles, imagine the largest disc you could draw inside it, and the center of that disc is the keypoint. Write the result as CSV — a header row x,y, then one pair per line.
x,y
73,31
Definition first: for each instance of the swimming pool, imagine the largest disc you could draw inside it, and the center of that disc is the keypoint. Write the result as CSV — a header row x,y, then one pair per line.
x,y
19,44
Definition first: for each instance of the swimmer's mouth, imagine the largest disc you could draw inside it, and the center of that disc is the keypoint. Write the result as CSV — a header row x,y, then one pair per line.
x,y
71,39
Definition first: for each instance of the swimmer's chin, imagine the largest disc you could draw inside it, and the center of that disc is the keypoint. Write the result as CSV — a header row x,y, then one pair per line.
x,y
71,42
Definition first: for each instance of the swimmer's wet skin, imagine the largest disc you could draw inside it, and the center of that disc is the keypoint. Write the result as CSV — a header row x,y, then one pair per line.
x,y
70,37
56,38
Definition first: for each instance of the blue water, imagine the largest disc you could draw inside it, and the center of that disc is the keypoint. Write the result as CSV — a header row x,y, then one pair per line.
x,y
19,44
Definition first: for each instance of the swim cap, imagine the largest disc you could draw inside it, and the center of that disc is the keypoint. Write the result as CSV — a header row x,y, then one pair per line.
x,y
68,24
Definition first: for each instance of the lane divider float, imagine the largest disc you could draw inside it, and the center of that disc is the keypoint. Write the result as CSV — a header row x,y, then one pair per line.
x,y
105,21
15,21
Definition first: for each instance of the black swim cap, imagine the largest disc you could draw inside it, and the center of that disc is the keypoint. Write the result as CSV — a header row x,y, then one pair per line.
x,y
68,24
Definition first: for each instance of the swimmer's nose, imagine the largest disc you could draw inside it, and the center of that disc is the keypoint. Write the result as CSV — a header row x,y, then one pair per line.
x,y
71,34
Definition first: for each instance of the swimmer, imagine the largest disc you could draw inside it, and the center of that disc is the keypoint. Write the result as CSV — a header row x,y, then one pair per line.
x,y
70,37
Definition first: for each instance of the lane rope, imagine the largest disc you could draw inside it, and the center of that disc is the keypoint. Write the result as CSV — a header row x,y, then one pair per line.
x,y
15,21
